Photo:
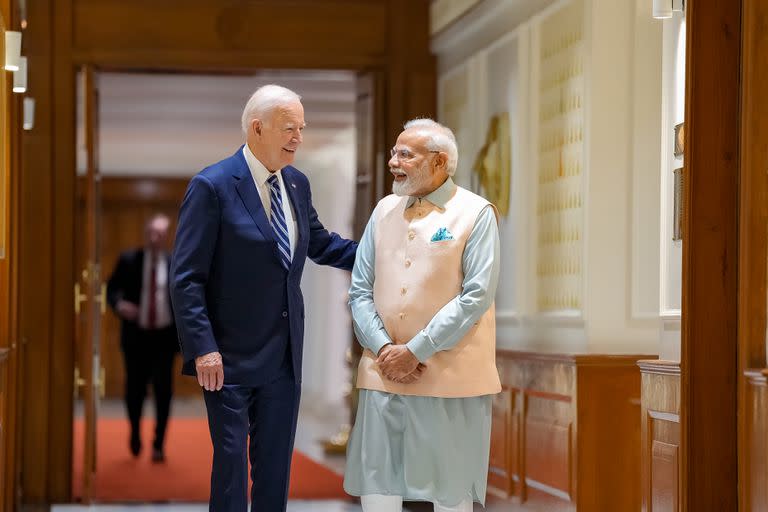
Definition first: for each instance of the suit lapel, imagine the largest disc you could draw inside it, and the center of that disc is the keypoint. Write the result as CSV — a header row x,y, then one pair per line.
x,y
246,189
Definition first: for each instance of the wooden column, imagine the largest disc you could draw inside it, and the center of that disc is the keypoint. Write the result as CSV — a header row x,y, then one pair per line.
x,y
753,258
710,256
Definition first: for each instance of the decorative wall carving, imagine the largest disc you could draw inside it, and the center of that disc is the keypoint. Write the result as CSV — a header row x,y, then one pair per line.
x,y
560,159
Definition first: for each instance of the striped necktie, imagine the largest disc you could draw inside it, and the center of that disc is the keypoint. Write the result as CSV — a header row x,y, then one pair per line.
x,y
277,220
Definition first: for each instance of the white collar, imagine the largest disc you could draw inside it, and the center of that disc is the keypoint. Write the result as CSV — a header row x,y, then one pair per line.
x,y
258,171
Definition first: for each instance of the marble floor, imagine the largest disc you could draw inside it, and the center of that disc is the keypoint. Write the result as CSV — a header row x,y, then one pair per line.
x,y
294,506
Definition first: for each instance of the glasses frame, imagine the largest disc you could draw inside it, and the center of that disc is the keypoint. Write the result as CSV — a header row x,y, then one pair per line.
x,y
395,153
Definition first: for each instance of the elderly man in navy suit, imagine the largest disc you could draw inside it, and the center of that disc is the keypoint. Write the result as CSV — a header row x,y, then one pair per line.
x,y
245,228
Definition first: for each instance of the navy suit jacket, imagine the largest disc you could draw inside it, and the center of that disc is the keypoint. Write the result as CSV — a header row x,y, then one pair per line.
x,y
229,290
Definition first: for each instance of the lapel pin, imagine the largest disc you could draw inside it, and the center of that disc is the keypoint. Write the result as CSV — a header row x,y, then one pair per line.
x,y
293,185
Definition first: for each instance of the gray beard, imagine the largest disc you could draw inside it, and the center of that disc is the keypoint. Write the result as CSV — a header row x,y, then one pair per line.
x,y
411,183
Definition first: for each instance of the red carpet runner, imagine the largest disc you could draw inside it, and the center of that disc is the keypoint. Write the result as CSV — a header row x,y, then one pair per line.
x,y
185,476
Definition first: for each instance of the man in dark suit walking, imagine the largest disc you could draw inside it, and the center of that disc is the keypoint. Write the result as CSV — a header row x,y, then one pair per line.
x,y
246,227
137,290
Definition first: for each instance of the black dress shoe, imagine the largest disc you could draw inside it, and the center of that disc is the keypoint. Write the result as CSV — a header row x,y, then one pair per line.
x,y
135,445
157,455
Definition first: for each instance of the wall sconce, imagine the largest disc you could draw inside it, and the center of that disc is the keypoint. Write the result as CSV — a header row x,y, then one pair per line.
x,y
12,50
29,114
663,9
20,76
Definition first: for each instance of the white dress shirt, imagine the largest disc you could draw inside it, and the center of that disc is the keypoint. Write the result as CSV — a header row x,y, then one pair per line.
x,y
260,176
162,308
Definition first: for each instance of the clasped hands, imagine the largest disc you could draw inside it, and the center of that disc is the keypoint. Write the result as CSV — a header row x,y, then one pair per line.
x,y
398,364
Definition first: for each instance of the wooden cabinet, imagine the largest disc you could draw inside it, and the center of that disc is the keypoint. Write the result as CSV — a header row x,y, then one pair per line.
x,y
660,427
566,432
755,449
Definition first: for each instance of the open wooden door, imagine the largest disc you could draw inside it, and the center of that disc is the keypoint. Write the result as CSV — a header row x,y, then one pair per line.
x,y
90,290
371,155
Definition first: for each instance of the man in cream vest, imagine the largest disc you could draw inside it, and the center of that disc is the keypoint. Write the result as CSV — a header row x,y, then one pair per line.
x,y
422,303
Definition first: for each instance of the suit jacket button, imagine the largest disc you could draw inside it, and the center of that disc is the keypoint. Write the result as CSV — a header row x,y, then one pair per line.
x,y
285,314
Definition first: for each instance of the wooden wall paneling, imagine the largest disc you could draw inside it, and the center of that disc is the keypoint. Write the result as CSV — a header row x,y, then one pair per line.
x,y
661,482
665,470
513,484
61,375
753,258
501,463
754,455
4,419
608,417
573,442
291,34
9,346
5,145
548,443
10,460
35,259
542,427
710,256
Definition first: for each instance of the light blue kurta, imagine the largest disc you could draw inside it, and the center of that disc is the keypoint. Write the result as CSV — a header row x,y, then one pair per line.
x,y
424,448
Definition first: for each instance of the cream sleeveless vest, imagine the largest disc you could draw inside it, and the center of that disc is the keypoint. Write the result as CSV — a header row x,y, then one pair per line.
x,y
418,269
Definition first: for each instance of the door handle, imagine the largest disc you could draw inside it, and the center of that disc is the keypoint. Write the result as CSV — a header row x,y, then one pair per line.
x,y
79,382
102,382
79,298
102,299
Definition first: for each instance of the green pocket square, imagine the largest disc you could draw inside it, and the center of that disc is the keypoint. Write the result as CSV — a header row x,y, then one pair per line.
x,y
441,234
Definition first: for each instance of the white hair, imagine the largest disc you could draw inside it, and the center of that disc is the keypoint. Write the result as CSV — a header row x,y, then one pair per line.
x,y
262,102
440,138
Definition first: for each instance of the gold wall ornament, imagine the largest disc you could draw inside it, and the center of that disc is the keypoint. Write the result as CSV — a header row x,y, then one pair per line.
x,y
493,163
679,140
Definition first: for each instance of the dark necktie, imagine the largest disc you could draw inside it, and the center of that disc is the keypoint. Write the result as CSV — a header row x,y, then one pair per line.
x,y
277,220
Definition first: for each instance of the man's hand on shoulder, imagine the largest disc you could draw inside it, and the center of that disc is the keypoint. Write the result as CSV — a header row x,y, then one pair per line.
x,y
398,364
210,371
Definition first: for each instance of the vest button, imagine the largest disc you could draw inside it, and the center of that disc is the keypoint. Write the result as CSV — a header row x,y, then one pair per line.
x,y
407,263
402,315
403,290
411,235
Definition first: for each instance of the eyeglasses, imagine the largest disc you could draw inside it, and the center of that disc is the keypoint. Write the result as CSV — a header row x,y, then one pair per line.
x,y
405,155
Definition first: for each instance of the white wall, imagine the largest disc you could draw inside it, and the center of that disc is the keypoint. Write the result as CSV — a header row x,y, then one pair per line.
x,y
493,53
624,74
328,325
